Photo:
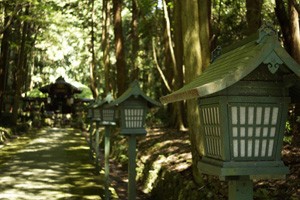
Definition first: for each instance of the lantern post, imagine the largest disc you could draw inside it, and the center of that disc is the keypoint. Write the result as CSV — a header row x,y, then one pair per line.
x,y
91,129
243,105
108,117
96,119
133,105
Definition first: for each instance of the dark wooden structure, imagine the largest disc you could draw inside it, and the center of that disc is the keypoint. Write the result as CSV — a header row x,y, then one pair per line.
x,y
60,96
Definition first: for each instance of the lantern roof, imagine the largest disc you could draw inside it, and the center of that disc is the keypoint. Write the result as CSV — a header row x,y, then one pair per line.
x,y
235,63
134,90
107,100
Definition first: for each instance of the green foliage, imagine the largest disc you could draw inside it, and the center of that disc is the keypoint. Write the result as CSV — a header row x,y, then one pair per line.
x,y
62,37
35,93
288,127
288,139
120,153
229,20
62,46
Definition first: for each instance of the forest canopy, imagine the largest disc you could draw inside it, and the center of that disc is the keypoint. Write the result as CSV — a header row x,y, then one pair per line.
x,y
108,44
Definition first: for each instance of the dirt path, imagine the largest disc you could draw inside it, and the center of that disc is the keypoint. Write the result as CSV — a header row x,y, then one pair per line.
x,y
53,165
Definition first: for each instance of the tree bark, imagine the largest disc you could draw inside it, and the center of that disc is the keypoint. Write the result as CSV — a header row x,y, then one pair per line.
x,y
119,47
253,15
193,65
135,40
283,18
21,64
93,76
4,55
106,46
204,19
177,109
295,34
169,39
167,58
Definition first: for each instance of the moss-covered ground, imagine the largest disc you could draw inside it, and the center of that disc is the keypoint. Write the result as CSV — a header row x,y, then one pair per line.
x,y
54,163
164,170
49,164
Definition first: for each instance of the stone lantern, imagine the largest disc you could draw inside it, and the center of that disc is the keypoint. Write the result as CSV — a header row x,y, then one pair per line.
x,y
95,121
107,112
108,117
243,105
133,106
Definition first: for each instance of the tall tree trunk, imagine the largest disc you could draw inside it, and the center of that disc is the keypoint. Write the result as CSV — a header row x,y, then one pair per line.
x,y
93,76
193,65
295,51
176,109
135,40
21,64
106,46
167,60
204,19
119,46
253,15
4,57
31,38
283,18
169,39
295,34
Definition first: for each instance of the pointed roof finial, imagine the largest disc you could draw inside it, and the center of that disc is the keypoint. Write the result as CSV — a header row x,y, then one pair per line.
x,y
267,29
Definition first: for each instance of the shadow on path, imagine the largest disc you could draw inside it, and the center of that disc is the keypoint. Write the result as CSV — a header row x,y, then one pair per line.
x,y
53,165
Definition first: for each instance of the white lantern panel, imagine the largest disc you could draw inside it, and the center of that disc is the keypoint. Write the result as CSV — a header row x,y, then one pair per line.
x,y
258,115
242,115
250,149
210,123
134,117
274,116
235,148
253,131
250,115
234,115
270,149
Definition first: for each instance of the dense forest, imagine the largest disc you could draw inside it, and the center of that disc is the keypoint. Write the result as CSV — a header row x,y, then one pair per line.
x,y
106,45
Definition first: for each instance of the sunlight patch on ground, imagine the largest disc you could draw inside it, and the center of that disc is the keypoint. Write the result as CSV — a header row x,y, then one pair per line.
x,y
54,165
78,148
17,195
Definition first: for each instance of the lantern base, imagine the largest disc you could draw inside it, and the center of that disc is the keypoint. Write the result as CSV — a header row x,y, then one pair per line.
x,y
96,119
107,123
255,169
133,131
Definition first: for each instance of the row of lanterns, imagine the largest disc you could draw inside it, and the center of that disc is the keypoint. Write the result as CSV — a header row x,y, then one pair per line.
x,y
243,99
130,109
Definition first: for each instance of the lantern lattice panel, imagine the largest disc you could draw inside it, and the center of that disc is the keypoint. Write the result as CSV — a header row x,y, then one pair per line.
x,y
253,129
134,117
96,113
210,118
90,113
108,114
